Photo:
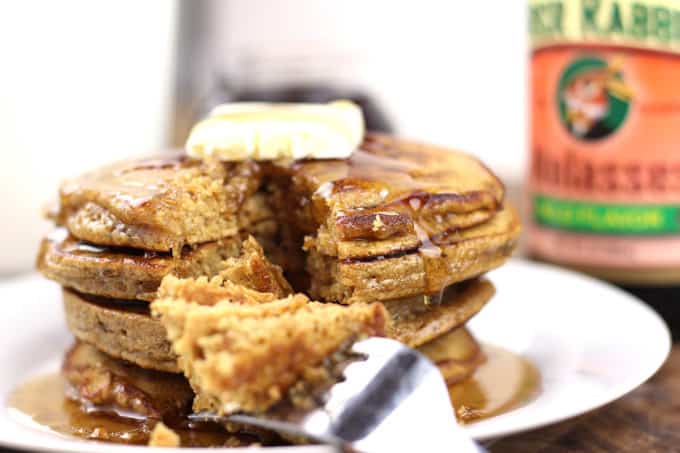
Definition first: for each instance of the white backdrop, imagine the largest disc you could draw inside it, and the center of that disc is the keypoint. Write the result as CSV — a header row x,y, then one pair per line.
x,y
81,83
449,71
84,82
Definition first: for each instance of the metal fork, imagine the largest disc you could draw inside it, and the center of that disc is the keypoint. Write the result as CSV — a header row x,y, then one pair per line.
x,y
393,400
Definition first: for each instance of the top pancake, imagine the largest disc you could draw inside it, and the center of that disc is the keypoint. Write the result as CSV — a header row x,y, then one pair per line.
x,y
160,203
397,218
393,193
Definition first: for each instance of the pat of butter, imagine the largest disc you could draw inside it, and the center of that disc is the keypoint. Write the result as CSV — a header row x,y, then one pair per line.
x,y
264,131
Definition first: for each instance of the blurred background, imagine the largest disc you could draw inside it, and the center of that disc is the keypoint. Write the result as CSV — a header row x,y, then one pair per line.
x,y
83,83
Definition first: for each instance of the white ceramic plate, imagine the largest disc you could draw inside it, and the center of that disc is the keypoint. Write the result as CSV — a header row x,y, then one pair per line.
x,y
592,344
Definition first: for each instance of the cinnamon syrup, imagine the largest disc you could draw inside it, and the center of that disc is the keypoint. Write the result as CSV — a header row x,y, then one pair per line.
x,y
44,400
504,382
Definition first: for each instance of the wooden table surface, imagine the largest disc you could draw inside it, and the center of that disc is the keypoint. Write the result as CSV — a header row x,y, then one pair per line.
x,y
644,421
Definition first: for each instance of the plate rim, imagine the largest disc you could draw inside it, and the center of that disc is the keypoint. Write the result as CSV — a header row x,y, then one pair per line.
x,y
664,350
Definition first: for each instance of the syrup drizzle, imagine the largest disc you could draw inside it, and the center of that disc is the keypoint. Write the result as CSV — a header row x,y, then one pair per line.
x,y
69,244
395,170
141,180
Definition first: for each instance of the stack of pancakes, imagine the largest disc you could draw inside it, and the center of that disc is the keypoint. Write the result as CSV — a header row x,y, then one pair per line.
x,y
409,225
122,228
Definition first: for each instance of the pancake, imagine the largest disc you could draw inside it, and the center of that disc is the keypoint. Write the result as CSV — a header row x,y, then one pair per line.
x,y
418,320
122,329
413,183
466,254
160,203
122,273
98,380
457,354
395,219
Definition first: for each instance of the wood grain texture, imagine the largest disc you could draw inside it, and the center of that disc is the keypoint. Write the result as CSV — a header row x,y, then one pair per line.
x,y
644,421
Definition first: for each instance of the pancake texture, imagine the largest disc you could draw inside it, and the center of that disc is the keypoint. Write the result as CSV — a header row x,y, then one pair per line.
x,y
396,219
121,329
248,356
467,254
160,203
100,380
418,320
122,273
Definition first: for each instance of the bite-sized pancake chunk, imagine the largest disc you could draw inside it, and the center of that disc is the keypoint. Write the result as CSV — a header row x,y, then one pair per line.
x,y
248,356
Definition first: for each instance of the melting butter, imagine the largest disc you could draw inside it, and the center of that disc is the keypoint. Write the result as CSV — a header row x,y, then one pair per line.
x,y
278,131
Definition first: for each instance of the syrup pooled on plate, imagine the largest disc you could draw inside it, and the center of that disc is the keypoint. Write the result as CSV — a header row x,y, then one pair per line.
x,y
44,400
504,382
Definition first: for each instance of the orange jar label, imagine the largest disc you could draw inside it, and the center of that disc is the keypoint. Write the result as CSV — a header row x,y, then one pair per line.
x,y
604,179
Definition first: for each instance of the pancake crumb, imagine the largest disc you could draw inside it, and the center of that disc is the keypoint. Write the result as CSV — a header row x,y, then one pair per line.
x,y
253,270
162,436
377,223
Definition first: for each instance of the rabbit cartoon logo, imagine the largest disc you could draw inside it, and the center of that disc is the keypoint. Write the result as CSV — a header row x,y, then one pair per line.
x,y
593,98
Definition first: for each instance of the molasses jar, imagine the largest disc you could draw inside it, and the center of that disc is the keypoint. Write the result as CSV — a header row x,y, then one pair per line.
x,y
604,176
